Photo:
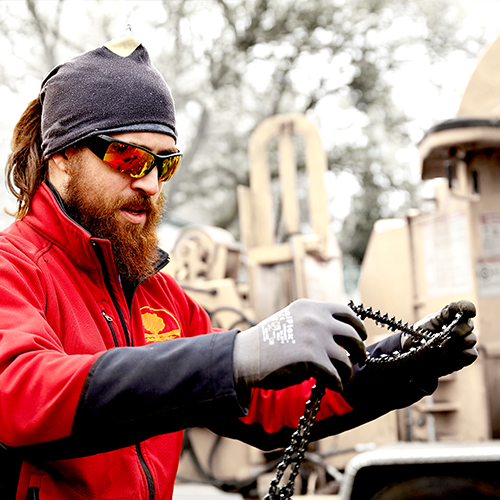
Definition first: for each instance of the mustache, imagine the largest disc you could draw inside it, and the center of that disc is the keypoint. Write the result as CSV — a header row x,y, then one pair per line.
x,y
137,202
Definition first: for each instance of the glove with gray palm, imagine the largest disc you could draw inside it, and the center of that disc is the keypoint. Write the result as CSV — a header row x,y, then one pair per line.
x,y
306,339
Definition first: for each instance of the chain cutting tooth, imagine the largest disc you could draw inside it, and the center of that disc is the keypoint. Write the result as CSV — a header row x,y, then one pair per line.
x,y
366,313
393,324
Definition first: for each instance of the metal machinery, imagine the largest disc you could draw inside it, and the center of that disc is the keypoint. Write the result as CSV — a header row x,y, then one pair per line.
x,y
415,265
443,447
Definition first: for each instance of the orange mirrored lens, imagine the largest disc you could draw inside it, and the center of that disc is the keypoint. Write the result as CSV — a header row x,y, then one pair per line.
x,y
169,167
128,159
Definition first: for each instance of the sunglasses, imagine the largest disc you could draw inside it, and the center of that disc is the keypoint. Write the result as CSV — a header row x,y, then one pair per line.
x,y
133,160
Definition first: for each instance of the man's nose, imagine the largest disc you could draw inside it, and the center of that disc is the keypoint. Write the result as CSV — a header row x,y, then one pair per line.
x,y
149,184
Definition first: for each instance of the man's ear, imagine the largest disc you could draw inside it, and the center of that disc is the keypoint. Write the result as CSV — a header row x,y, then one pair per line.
x,y
61,161
59,167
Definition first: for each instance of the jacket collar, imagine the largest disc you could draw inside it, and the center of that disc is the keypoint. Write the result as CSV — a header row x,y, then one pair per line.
x,y
48,217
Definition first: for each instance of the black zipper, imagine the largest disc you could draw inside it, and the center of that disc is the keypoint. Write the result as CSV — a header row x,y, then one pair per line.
x,y
147,472
33,494
109,320
100,256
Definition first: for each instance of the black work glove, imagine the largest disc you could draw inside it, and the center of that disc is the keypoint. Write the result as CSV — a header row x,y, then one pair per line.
x,y
306,339
459,350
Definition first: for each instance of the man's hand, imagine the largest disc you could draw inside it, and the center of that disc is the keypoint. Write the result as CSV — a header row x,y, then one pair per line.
x,y
459,350
306,339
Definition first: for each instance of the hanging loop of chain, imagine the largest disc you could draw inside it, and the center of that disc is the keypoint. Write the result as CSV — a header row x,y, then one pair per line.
x,y
294,454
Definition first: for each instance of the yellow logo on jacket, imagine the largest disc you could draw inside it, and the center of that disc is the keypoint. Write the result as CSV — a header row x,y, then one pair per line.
x,y
159,325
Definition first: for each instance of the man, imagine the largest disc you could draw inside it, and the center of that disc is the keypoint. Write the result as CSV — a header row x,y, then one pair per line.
x,y
90,405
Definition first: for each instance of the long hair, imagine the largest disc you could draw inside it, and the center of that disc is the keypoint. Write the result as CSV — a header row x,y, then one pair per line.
x,y
26,167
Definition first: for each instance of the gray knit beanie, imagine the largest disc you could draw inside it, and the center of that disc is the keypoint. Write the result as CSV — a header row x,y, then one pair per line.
x,y
111,89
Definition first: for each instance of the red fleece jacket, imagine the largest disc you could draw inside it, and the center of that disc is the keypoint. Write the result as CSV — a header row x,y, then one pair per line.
x,y
94,391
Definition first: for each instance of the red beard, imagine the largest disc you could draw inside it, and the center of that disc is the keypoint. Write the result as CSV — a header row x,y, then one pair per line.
x,y
135,247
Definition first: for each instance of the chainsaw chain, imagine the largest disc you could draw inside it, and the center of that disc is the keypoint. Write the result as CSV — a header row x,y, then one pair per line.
x,y
425,339
294,454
